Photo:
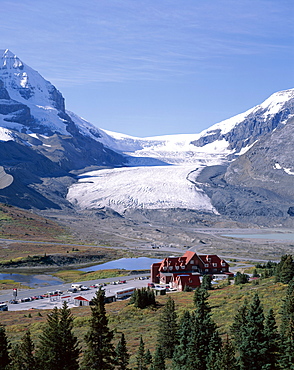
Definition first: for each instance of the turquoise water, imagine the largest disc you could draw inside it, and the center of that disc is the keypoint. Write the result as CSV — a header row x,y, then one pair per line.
x,y
140,263
270,236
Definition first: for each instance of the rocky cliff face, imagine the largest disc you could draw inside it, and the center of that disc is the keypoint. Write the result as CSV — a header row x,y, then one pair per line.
x,y
258,185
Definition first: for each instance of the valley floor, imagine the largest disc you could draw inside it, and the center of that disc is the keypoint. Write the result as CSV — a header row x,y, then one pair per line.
x,y
166,235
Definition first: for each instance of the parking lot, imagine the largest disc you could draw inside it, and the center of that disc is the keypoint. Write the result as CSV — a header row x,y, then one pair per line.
x,y
50,297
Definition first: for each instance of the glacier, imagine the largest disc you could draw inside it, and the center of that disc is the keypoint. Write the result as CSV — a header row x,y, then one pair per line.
x,y
160,171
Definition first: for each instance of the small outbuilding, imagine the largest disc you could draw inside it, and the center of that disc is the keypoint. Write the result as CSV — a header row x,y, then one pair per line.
x,y
81,301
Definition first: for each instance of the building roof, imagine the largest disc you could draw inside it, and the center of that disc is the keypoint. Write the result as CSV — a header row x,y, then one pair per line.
x,y
80,298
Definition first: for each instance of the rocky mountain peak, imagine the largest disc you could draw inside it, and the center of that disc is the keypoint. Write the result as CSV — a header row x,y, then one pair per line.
x,y
10,60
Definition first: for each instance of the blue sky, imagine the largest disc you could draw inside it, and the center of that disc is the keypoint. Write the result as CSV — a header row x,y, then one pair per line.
x,y
152,67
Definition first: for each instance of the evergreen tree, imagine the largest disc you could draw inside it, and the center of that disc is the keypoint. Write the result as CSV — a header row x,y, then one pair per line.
x,y
167,329
140,358
158,361
225,359
148,357
272,340
240,320
241,278
122,355
26,352
287,270
4,348
16,358
70,345
214,350
287,329
206,282
58,347
180,356
100,353
252,348
203,330
284,270
48,349
143,298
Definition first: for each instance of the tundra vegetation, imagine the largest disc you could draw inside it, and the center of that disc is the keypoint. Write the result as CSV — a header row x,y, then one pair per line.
x,y
238,327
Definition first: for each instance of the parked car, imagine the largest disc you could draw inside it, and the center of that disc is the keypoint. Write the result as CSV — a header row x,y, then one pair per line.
x,y
72,290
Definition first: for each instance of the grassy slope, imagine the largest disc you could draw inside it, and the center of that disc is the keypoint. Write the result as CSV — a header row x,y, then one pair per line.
x,y
135,322
16,223
24,226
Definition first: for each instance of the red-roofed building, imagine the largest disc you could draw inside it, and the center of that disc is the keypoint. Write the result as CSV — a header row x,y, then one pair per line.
x,y
184,280
81,301
189,263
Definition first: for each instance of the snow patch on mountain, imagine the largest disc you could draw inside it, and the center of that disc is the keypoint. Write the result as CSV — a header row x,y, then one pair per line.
x,y
289,171
6,135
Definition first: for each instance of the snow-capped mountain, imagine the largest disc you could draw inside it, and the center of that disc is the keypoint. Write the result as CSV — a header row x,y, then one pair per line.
x,y
182,159
29,103
42,144
39,139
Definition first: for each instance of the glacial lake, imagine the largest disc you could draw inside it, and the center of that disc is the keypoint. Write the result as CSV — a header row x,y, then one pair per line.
x,y
140,263
32,281
270,236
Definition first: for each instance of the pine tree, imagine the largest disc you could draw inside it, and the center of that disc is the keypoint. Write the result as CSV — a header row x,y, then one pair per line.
x,y
143,298
252,348
225,359
167,329
4,348
197,336
180,356
214,350
158,361
241,278
203,330
48,349
122,355
70,346
272,340
16,358
287,270
284,270
287,329
22,355
58,347
206,282
140,358
100,352
148,357
240,320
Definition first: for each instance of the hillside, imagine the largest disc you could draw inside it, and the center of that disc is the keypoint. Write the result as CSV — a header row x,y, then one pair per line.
x,y
135,322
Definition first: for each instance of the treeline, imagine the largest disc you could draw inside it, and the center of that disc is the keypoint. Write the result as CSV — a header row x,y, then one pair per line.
x,y
283,271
